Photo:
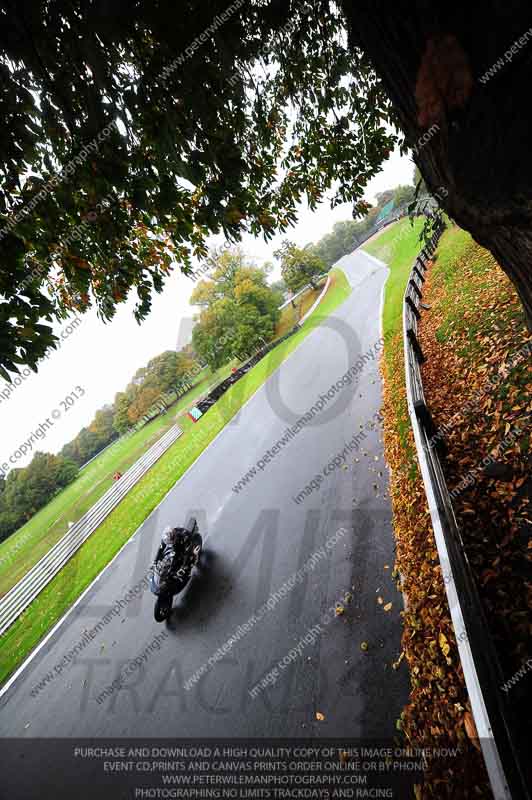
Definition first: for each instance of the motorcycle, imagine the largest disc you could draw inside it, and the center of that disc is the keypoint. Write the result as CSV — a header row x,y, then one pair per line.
x,y
164,583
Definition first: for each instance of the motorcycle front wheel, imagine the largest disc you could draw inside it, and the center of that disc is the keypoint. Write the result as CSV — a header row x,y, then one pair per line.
x,y
163,607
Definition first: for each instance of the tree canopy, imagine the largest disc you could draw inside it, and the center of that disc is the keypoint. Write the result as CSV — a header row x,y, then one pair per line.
x,y
92,439
131,134
169,373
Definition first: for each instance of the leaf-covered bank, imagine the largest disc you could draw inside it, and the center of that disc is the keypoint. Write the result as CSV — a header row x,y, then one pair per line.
x,y
438,713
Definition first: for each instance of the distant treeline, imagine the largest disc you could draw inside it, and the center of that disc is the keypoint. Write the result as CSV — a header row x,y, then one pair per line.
x,y
346,236
151,390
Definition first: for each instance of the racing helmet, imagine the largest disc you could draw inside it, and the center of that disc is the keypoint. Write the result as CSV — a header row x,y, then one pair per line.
x,y
168,536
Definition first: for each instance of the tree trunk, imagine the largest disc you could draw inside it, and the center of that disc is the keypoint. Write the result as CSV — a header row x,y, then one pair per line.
x,y
458,77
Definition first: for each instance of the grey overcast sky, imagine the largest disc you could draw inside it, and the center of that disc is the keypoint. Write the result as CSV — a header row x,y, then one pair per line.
x,y
101,358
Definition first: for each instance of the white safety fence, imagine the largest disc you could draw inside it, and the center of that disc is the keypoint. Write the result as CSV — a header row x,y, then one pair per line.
x,y
26,590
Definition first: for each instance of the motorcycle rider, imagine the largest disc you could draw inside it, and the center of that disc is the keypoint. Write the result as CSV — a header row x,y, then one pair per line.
x,y
177,545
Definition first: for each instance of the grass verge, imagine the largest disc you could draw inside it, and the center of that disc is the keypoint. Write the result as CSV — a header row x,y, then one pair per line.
x,y
398,246
20,639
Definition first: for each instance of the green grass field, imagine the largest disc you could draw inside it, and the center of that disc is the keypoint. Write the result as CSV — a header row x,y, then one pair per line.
x,y
105,542
27,545
453,246
398,246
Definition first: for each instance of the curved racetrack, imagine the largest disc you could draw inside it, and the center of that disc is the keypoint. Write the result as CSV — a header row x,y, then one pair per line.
x,y
256,539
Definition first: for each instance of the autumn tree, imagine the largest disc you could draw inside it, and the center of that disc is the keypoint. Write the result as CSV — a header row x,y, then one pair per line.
x,y
186,366
121,406
239,309
161,372
102,425
223,263
28,489
169,372
299,265
131,134
93,438
124,148
143,402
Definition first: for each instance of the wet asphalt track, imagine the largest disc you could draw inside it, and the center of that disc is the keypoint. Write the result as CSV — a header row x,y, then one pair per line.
x,y
255,540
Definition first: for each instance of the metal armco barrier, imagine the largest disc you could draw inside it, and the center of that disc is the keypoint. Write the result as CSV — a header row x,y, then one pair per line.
x,y
210,399
26,590
503,753
303,289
